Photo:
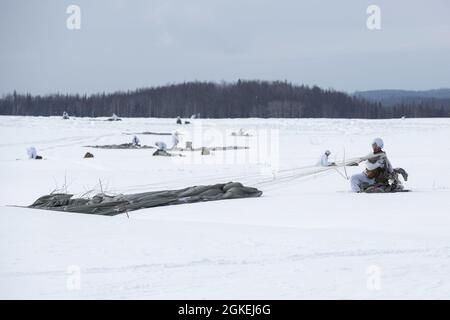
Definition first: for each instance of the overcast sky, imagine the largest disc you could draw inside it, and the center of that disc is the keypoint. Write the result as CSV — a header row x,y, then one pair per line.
x,y
126,44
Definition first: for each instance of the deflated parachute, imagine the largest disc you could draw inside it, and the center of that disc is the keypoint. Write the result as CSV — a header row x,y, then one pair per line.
x,y
121,146
102,204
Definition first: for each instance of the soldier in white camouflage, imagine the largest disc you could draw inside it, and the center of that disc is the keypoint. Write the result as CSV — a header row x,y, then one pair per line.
x,y
379,175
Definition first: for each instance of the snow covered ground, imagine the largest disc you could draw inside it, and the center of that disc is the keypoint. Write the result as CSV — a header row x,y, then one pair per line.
x,y
306,237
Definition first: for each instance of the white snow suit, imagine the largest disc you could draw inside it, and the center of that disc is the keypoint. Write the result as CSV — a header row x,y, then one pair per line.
x,y
175,140
378,160
323,161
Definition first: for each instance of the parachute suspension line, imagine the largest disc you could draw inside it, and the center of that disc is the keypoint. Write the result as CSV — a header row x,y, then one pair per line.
x,y
345,165
293,173
292,176
297,168
340,173
276,177
276,185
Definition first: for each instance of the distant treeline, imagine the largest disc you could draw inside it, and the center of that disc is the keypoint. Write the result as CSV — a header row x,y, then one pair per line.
x,y
218,100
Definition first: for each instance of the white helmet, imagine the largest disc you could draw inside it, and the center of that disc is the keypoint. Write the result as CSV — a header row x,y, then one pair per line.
x,y
379,142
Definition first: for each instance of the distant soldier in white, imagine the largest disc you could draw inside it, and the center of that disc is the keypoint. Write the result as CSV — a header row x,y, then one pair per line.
x,y
161,146
65,115
175,140
179,120
162,149
136,141
324,161
32,154
378,169
114,117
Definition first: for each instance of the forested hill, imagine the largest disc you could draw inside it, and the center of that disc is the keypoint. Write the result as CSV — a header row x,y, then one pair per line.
x,y
396,97
212,100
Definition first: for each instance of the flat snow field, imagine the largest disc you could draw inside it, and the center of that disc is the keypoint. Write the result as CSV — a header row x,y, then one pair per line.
x,y
307,237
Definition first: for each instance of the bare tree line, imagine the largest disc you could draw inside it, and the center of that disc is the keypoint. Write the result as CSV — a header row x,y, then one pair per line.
x,y
241,99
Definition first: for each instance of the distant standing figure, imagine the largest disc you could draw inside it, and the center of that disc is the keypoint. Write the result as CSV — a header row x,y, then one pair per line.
x,y
324,162
175,139
136,141
32,154
179,120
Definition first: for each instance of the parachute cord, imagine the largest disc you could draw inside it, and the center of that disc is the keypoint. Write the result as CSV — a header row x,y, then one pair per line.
x,y
340,173
345,169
